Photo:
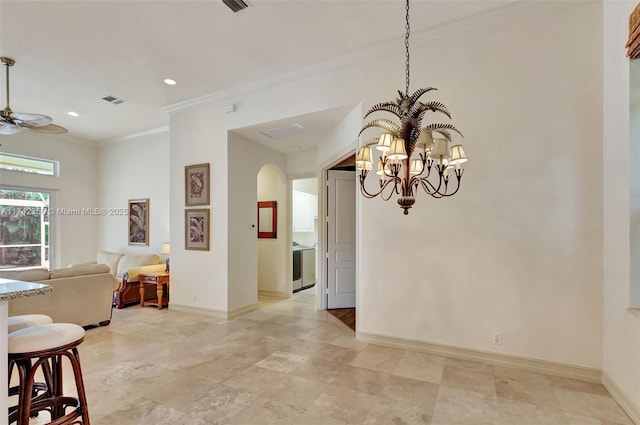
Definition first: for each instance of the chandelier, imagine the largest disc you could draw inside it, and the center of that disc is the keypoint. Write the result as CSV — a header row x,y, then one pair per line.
x,y
411,155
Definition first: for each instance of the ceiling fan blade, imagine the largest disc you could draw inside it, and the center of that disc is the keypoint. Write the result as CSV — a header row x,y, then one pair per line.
x,y
31,120
8,129
50,129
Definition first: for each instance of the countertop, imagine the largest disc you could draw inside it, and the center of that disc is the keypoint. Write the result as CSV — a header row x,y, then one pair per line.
x,y
11,289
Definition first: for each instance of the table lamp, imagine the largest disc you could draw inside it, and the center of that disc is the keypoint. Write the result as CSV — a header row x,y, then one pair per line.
x,y
165,250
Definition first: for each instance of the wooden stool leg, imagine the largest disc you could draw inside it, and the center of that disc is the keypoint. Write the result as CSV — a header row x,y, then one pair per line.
x,y
74,358
57,410
26,373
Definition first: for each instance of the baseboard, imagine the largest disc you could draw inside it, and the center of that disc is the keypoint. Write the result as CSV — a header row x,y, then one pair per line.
x,y
200,311
220,314
273,294
629,407
497,359
232,314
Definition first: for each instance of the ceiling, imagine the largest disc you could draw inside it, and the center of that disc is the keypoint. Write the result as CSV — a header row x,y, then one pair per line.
x,y
70,54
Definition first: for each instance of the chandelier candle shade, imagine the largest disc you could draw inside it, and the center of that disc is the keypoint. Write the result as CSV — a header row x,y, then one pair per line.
x,y
409,154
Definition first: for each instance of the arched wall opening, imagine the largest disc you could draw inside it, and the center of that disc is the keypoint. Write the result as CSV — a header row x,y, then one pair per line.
x,y
272,252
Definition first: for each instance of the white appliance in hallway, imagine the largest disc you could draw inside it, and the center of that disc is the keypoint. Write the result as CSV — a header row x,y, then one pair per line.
x,y
304,267
304,232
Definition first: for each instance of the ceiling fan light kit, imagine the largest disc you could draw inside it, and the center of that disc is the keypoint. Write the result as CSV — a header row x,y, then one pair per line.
x,y
14,122
401,167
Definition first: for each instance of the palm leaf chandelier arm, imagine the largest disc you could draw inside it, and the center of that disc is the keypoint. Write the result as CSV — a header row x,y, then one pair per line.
x,y
420,109
418,93
386,107
385,124
443,129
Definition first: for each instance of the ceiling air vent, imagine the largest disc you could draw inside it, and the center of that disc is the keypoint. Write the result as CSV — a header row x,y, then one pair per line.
x,y
284,132
235,5
113,99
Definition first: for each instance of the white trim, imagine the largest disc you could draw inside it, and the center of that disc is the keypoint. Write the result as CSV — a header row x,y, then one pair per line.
x,y
629,407
145,133
232,314
497,359
334,160
200,311
220,314
274,294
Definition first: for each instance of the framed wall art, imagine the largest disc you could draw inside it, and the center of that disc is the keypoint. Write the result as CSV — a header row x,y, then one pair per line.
x,y
196,230
139,221
268,219
196,185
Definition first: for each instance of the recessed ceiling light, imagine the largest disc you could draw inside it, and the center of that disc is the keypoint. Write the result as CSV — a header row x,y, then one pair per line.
x,y
73,114
170,82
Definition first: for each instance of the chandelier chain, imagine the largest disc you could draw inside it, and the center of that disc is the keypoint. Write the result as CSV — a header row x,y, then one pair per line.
x,y
406,45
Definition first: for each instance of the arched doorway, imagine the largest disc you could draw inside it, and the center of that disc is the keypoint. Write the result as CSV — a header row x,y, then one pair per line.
x,y
273,279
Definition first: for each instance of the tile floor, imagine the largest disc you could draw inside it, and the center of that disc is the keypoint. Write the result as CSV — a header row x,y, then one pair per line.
x,y
287,363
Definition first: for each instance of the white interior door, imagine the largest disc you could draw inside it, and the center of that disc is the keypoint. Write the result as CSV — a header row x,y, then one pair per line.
x,y
341,239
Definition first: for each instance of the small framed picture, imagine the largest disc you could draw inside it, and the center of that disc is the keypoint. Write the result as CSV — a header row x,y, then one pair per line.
x,y
139,221
196,230
268,219
196,185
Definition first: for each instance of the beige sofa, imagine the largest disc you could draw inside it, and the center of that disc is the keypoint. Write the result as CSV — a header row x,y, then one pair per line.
x,y
127,268
82,295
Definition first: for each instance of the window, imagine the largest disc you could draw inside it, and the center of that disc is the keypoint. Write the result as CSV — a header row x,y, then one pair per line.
x,y
27,164
24,229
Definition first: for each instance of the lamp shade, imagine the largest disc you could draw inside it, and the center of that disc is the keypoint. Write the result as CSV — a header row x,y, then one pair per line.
x,y
440,149
397,151
425,139
165,248
457,155
384,143
363,158
416,166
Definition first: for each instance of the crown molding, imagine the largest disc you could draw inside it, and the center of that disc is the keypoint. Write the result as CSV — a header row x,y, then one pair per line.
x,y
500,16
141,134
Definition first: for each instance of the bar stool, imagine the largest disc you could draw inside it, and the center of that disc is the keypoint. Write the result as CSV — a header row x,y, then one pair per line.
x,y
15,323
43,344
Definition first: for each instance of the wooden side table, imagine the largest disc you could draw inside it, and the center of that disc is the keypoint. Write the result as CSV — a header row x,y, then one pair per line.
x,y
160,280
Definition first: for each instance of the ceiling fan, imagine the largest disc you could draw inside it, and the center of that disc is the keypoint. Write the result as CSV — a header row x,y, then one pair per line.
x,y
13,122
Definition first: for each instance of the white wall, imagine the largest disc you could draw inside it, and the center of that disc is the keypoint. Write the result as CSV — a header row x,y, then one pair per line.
x,y
76,188
272,261
243,240
343,138
134,169
519,250
621,336
302,164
